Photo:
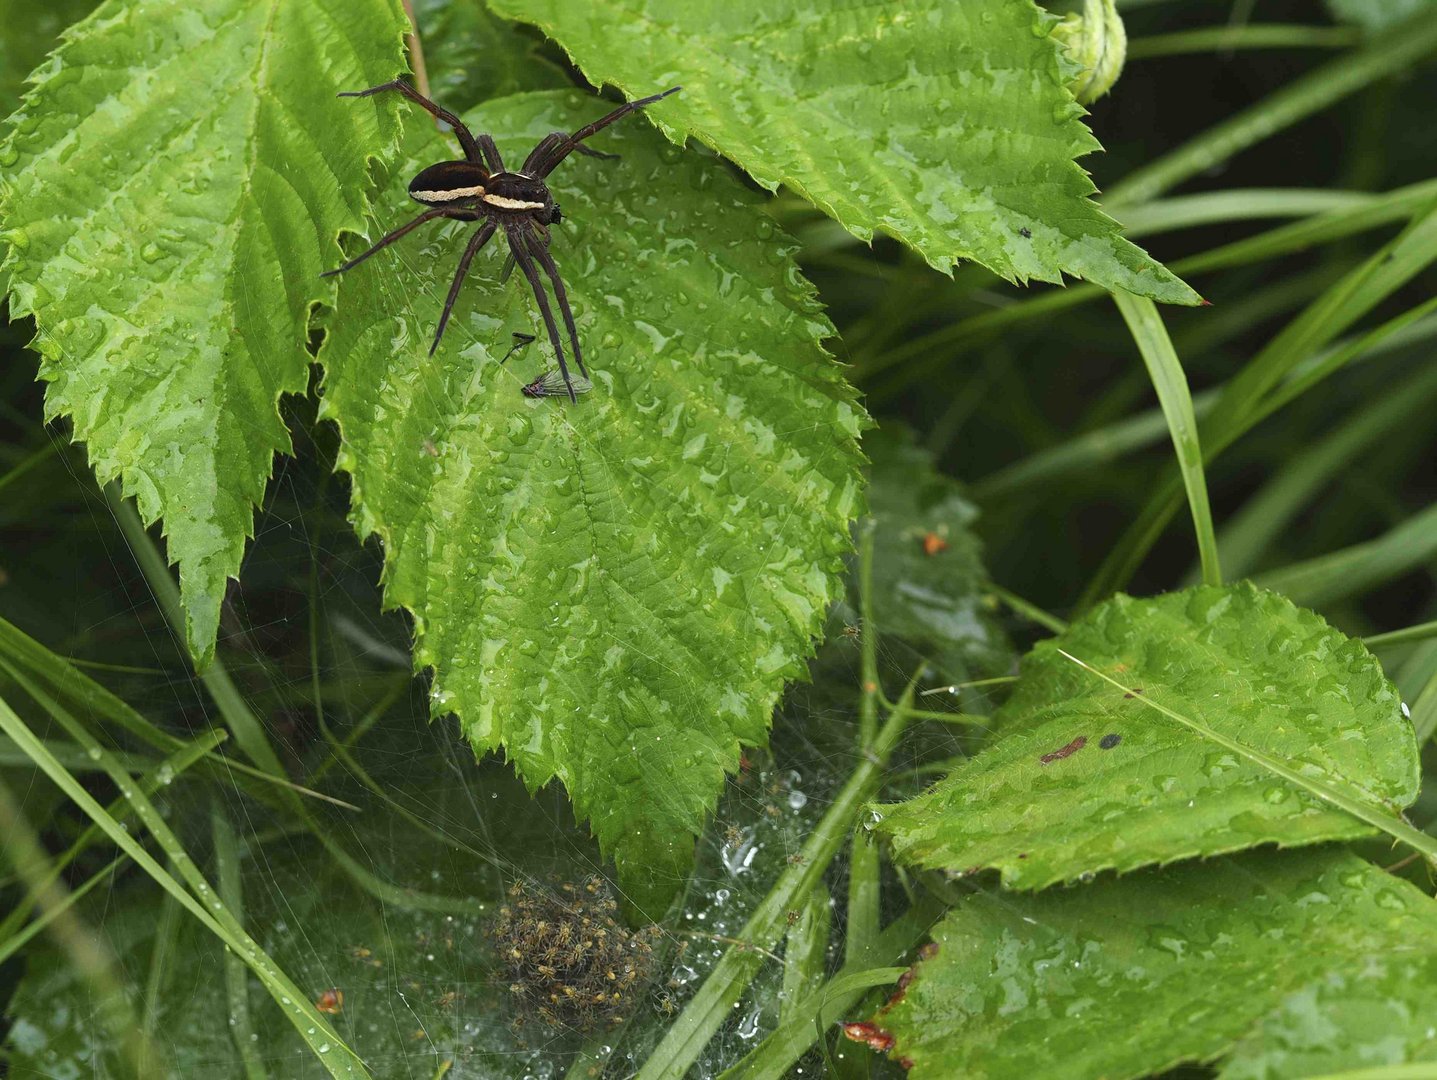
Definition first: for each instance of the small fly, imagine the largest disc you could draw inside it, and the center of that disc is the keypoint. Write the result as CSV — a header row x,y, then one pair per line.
x,y
551,384
554,382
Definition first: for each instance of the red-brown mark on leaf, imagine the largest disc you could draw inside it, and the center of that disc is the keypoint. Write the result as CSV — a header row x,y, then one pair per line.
x,y
1065,751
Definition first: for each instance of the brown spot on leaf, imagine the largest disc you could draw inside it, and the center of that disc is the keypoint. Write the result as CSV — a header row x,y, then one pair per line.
x,y
1065,751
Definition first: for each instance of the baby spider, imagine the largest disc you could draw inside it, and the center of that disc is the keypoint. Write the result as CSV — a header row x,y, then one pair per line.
x,y
479,188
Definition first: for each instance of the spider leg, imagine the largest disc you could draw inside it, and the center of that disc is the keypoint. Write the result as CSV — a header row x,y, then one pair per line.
x,y
466,140
517,233
521,341
562,149
589,151
404,230
491,153
549,142
477,241
540,251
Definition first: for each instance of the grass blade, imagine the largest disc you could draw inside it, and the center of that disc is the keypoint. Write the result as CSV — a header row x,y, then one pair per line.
x,y
227,879
1353,570
1171,384
168,769
88,952
1300,98
336,1056
1420,632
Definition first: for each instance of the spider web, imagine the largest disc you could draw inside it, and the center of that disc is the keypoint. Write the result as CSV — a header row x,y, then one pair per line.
x,y
436,840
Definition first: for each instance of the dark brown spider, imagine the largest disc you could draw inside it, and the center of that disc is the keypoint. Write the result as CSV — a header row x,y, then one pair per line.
x,y
479,188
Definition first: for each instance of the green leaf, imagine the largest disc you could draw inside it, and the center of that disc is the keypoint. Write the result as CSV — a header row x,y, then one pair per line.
x,y
928,574
1286,965
614,592
473,56
1088,778
948,126
30,29
1375,15
173,187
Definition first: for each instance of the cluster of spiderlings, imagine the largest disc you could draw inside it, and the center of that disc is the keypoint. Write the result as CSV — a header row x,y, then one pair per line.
x,y
568,961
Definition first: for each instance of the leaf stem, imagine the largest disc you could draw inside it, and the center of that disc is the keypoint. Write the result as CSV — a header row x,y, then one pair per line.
x,y
1420,632
725,985
1031,612
1251,36
416,57
864,873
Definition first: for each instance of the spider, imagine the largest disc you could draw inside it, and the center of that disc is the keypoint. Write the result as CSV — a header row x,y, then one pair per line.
x,y
479,188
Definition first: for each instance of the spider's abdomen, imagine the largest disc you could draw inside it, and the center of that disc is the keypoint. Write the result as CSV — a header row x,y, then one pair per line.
x,y
449,182
516,193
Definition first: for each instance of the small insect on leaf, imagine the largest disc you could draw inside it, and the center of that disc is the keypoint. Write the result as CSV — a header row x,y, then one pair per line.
x,y
870,1034
933,544
550,383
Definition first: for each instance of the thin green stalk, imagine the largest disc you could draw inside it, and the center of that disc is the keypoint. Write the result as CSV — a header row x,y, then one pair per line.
x,y
88,952
10,946
165,773
75,686
1397,205
39,457
338,748
864,871
1256,391
162,958
1352,570
775,1056
333,1053
1168,378
1237,204
1378,817
1301,98
1251,36
1268,513
1424,711
249,732
805,953
1032,612
725,985
1420,632
228,882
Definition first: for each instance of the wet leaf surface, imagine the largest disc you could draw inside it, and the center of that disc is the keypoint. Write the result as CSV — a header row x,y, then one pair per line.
x,y
613,592
928,574
946,125
1085,777
1286,964
173,310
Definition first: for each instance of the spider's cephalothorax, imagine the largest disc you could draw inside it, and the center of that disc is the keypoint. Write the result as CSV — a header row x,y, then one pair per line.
x,y
479,188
